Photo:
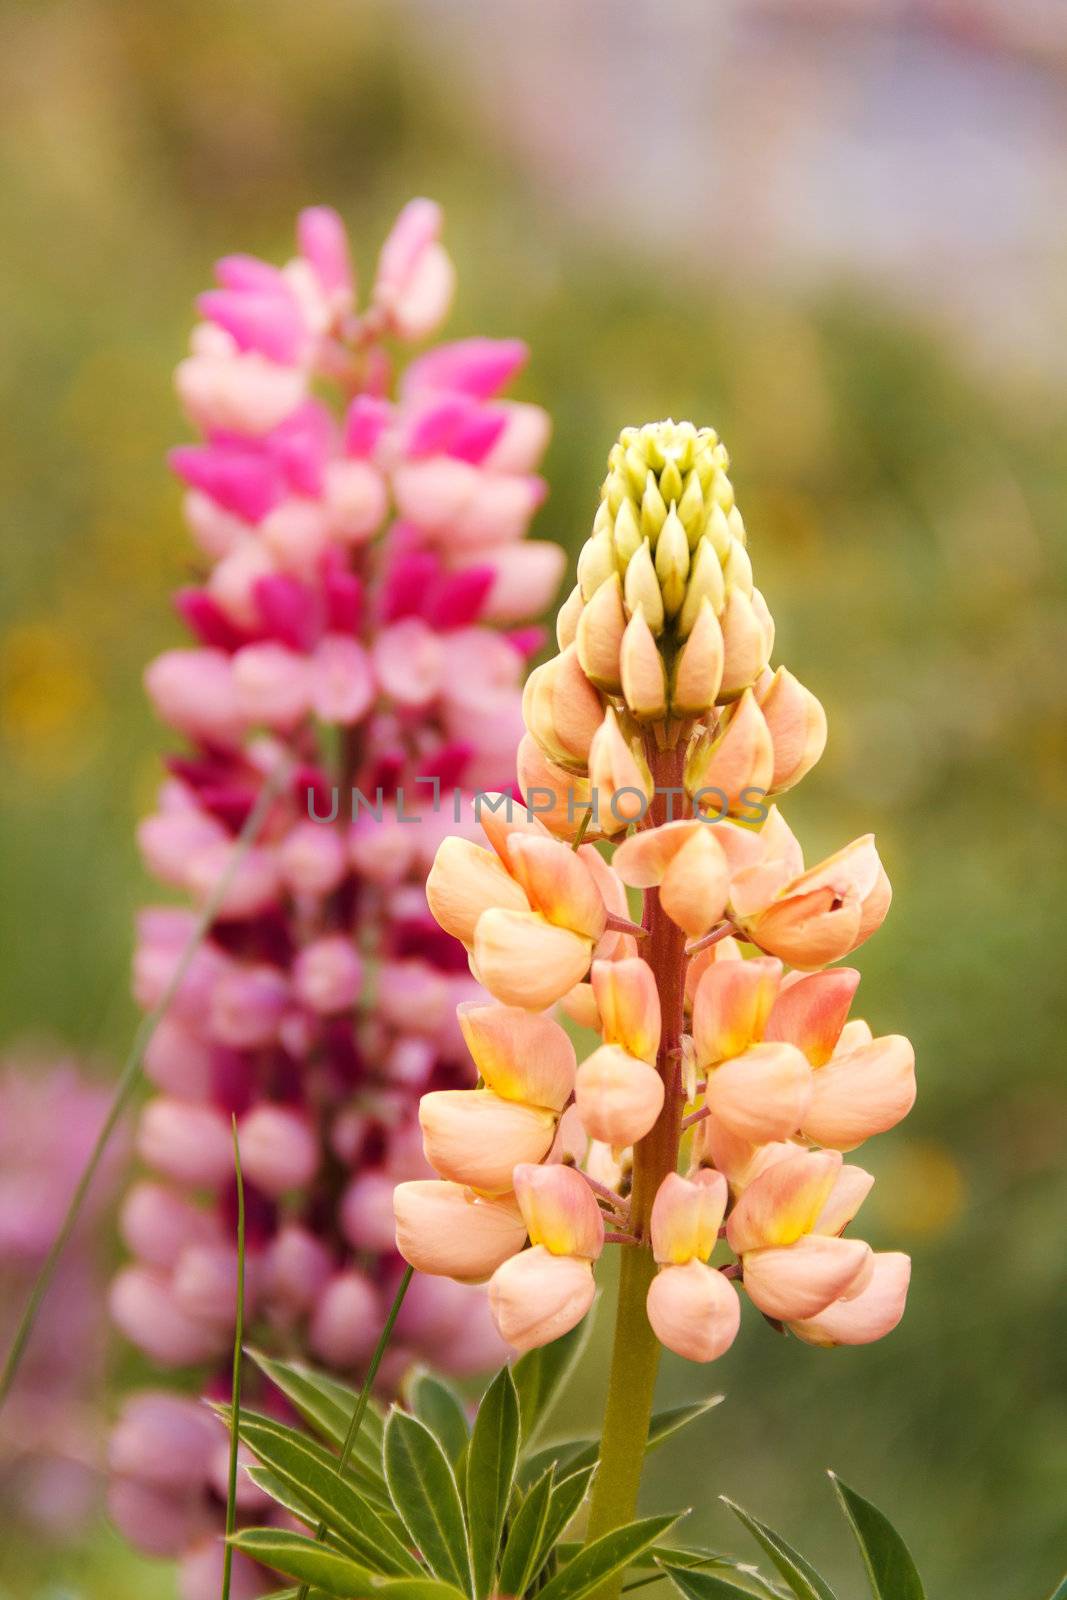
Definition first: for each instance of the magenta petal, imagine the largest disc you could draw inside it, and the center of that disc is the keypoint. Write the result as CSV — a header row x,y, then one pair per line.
x,y
458,601
479,367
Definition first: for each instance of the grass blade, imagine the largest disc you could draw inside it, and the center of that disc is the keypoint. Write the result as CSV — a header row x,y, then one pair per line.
x,y
235,1387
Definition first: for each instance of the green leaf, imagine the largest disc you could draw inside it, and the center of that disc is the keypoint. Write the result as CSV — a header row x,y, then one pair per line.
x,y
438,1405
426,1497
491,1460
597,1561
1060,1591
302,1558
540,1374
419,1589
696,1585
526,1536
567,1496
334,1501
577,1453
327,1406
799,1574
265,1426
890,1569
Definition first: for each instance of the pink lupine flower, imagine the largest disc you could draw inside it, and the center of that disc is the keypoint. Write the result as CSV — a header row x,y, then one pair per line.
x,y
362,544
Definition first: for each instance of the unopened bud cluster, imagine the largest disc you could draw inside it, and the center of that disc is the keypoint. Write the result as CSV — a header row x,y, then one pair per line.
x,y
724,1026
665,631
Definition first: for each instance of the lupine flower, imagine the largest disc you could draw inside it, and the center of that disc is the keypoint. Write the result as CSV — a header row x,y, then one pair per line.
x,y
50,1115
354,618
725,1087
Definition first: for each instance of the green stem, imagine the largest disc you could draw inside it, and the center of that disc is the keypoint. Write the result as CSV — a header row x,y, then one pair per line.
x,y
130,1076
235,1386
635,1354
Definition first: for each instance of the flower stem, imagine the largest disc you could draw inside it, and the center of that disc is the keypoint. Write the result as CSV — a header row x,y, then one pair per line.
x,y
635,1355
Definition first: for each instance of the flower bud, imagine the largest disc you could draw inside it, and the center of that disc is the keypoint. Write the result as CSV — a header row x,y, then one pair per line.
x,y
619,775
737,762
521,1055
188,1142
763,1094
562,709
415,279
628,1009
783,1203
642,860
642,590
296,1269
627,534
525,961
472,1136
536,1297
797,725
705,583
465,881
446,1230
561,798
693,1310
157,1224
697,672
820,915
618,1097
672,562
596,563
344,1324
731,1006
163,1439
598,635
143,1307
810,1012
279,1148
747,639
559,1210
687,1215
644,678
567,620
328,974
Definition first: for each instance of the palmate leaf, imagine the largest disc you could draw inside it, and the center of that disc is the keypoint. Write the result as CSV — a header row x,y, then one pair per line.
x,y
436,1403
491,1462
426,1497
540,1374
890,1569
597,1561
346,1513
301,1558
525,1541
327,1406
799,1574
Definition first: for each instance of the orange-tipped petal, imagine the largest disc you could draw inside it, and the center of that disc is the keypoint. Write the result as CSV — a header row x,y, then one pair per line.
x,y
694,1311
732,1003
559,799
851,1188
501,816
561,708
612,945
811,1012
618,1097
723,773
560,1210
864,1092
763,1094
558,884
726,949
747,642
579,1004
521,1055
474,1137
536,1297
868,1316
598,635
800,1280
466,880
641,860
699,666
735,1158
525,961
644,679
797,725
627,1003
619,776
784,1202
696,884
687,1214
445,1230
807,930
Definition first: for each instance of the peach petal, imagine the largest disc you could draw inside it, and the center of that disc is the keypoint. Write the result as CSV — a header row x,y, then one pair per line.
x,y
641,860
798,1281
536,1296
784,1202
694,1311
558,884
687,1214
618,1097
867,1316
474,1137
525,961
445,1230
851,1188
559,1210
811,1012
628,1008
731,1005
465,881
696,884
762,1094
521,1055
864,1092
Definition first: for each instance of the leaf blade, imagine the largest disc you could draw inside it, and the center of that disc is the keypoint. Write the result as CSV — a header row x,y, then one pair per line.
x,y
304,1559
437,1404
526,1536
491,1462
891,1571
597,1562
540,1374
425,1495
798,1572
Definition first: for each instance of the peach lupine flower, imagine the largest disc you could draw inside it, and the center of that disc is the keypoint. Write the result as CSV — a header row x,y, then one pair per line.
x,y
725,1044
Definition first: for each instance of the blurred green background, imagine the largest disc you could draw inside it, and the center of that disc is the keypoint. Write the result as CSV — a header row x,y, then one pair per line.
x,y
829,237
